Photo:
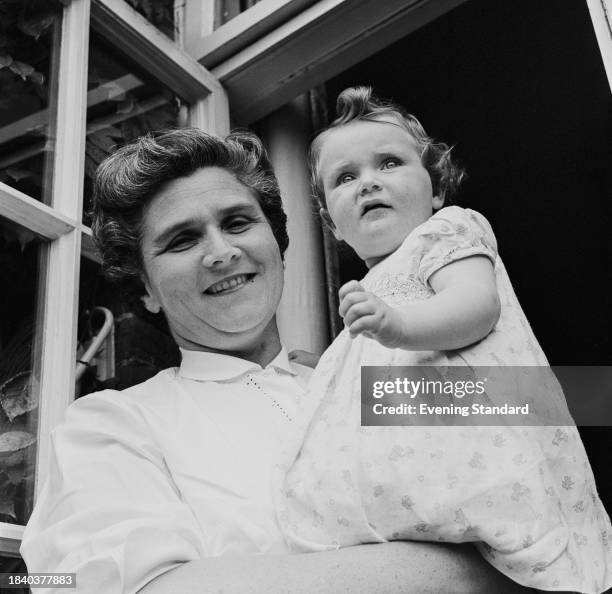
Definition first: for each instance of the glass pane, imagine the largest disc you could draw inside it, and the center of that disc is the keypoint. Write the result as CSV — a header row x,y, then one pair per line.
x,y
122,103
19,362
159,13
29,40
130,345
14,565
226,10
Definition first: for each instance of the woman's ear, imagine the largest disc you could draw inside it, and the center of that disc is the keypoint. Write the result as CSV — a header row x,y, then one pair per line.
x,y
437,202
149,301
329,223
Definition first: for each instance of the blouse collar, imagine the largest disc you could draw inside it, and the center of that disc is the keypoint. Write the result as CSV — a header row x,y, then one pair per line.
x,y
204,366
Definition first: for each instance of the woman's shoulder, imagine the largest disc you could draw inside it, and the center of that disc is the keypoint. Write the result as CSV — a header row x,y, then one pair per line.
x,y
136,402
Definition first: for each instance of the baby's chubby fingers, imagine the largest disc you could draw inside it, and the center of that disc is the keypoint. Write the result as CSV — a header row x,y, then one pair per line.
x,y
359,310
367,325
350,294
350,287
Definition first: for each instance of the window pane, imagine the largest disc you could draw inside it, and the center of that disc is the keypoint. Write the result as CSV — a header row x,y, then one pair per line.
x,y
158,12
29,40
122,103
137,347
226,10
14,565
19,364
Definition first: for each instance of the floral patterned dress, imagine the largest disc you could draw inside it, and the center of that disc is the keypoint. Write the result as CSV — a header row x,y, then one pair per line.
x,y
525,495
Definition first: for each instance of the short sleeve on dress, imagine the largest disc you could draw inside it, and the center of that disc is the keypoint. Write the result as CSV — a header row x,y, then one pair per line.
x,y
109,511
453,233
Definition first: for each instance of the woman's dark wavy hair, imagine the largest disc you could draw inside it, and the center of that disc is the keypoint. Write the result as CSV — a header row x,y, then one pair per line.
x,y
359,104
126,182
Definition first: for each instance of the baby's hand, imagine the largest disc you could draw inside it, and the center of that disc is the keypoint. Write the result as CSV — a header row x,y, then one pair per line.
x,y
304,358
366,314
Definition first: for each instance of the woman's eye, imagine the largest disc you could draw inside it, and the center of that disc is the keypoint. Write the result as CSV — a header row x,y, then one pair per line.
x,y
238,225
391,163
345,178
181,243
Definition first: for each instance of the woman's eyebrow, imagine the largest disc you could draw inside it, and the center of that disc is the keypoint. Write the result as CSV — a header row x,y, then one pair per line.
x,y
241,208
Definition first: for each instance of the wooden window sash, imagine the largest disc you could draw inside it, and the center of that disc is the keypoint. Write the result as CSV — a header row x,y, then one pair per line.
x,y
601,15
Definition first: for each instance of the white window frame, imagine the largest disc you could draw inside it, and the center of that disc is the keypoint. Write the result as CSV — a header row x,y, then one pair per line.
x,y
601,15
65,238
321,41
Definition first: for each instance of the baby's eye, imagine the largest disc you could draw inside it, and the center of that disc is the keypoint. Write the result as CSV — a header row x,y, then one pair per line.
x,y
390,163
345,178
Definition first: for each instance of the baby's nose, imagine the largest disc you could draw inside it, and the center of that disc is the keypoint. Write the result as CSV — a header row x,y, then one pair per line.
x,y
369,183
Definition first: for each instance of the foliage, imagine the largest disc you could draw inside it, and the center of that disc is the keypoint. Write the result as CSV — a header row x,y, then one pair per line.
x,y
158,12
21,25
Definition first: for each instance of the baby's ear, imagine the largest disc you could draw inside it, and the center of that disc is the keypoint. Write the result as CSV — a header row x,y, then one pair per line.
x,y
329,223
437,202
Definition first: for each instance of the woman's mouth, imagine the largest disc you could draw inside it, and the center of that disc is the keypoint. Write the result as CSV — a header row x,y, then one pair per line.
x,y
229,284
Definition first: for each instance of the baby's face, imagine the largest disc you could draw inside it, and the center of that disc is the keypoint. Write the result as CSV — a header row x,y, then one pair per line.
x,y
376,188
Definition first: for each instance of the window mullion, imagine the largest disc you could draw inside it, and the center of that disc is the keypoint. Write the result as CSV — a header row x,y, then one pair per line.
x,y
59,325
127,30
32,214
211,113
601,15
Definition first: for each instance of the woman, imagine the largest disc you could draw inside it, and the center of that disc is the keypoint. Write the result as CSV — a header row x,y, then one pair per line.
x,y
168,486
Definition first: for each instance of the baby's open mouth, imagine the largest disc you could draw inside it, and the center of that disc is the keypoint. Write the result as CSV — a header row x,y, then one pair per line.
x,y
373,206
229,284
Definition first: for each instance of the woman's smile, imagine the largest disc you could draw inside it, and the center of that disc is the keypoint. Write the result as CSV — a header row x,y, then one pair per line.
x,y
230,284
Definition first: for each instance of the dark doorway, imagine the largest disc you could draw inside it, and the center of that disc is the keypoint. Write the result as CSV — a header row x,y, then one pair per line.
x,y
520,89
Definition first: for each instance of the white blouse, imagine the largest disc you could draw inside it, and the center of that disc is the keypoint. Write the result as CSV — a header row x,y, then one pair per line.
x,y
180,467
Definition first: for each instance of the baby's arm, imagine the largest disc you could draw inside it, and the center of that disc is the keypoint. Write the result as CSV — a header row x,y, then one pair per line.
x,y
464,310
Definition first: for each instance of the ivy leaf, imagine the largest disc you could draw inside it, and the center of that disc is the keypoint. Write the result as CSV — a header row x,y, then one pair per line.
x,y
105,139
126,106
13,441
147,7
13,448
14,476
19,174
5,60
7,509
37,77
35,27
21,68
114,92
16,395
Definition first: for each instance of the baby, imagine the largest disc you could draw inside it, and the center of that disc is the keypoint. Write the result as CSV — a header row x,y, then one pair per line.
x,y
436,294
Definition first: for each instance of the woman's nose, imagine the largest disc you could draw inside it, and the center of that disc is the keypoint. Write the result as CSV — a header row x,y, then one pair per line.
x,y
220,252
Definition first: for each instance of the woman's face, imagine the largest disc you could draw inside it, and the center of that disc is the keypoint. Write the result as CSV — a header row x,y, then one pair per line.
x,y
211,262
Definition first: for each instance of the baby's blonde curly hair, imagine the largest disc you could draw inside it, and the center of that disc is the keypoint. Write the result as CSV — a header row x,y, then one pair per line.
x,y
358,103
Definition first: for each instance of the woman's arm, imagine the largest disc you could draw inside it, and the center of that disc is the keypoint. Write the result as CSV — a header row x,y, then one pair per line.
x,y
464,310
396,567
